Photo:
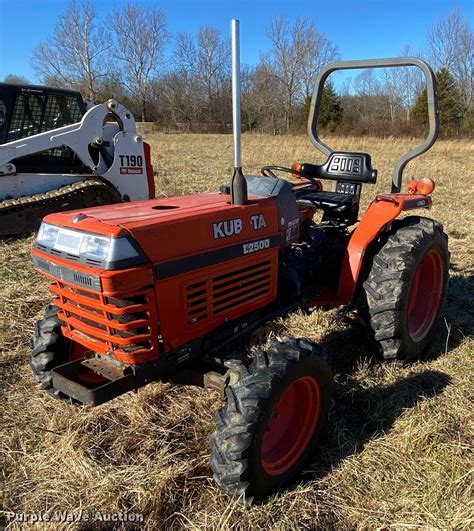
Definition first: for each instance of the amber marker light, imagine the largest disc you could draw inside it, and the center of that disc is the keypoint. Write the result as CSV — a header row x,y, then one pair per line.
x,y
425,186
412,187
297,167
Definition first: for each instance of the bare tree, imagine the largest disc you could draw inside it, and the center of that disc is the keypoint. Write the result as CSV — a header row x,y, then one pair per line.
x,y
451,45
298,52
76,54
367,92
320,52
16,79
180,98
262,99
392,90
207,61
410,80
399,88
140,39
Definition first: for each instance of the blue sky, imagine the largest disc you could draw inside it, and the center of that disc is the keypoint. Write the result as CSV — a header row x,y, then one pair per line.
x,y
361,28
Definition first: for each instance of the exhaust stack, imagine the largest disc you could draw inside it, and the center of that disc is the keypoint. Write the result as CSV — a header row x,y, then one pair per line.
x,y
238,184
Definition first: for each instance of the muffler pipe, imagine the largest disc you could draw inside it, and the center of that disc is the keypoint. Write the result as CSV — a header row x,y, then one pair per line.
x,y
238,184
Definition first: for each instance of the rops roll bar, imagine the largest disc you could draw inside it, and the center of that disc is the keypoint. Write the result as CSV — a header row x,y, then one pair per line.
x,y
433,111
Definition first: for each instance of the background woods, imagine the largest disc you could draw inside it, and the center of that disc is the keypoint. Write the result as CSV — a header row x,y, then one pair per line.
x,y
182,82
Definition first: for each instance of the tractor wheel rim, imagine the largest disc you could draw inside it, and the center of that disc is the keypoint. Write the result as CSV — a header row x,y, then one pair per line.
x,y
76,352
425,296
291,426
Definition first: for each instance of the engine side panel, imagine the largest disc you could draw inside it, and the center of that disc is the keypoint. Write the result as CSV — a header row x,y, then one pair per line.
x,y
232,268
192,304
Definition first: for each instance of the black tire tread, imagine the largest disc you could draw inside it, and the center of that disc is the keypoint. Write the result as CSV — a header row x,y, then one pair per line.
x,y
47,349
237,420
385,286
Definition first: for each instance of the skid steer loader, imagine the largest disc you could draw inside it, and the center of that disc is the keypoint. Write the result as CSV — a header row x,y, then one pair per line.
x,y
58,152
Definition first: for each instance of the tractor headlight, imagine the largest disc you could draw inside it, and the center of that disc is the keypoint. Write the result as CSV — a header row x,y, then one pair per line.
x,y
95,247
47,234
91,249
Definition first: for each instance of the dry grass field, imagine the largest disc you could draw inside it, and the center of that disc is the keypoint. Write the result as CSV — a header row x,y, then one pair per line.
x,y
398,453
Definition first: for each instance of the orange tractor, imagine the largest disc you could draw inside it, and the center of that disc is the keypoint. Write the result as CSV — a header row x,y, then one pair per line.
x,y
171,289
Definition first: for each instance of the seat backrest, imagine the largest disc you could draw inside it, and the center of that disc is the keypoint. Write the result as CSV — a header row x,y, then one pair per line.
x,y
350,170
343,166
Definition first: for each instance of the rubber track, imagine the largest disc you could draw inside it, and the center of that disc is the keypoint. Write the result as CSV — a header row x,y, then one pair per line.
x,y
51,196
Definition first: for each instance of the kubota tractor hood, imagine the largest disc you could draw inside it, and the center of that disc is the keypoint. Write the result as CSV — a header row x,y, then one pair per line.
x,y
170,228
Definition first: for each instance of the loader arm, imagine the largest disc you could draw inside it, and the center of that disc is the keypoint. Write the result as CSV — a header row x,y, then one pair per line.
x,y
77,137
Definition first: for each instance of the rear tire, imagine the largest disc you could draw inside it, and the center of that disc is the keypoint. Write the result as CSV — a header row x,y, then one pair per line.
x,y
406,288
273,418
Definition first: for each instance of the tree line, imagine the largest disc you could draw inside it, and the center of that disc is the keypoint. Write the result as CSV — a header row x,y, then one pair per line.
x,y
183,81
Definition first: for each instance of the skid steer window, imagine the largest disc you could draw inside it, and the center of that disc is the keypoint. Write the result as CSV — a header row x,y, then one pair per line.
x,y
35,113
60,110
27,114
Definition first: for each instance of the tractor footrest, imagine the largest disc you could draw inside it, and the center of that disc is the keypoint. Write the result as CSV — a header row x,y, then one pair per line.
x,y
67,379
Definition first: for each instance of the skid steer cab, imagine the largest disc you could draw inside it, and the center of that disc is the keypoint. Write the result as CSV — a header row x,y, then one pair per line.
x,y
172,289
58,153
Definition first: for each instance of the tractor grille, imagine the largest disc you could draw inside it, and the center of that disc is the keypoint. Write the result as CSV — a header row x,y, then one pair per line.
x,y
123,325
209,298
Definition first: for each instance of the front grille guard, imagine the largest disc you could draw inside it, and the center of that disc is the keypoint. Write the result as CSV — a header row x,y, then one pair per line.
x,y
123,326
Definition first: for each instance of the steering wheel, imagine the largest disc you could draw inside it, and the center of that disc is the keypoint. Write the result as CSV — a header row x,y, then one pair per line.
x,y
268,171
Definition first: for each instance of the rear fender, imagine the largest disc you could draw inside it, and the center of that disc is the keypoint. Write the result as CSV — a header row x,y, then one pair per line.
x,y
378,217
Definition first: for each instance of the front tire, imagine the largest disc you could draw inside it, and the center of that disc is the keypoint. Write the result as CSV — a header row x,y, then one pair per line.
x,y
406,288
51,349
274,415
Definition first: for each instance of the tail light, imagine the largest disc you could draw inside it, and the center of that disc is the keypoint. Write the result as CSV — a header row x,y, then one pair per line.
x,y
423,186
150,174
297,167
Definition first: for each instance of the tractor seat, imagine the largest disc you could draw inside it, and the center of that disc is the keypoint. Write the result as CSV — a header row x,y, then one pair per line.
x,y
328,201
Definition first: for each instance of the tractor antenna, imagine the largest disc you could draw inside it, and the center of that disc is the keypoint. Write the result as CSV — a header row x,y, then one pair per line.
x,y
238,184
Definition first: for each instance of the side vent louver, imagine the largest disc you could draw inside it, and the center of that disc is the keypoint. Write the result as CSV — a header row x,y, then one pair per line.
x,y
215,296
196,297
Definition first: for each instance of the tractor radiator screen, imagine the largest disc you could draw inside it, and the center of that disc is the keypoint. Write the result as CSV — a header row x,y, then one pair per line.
x,y
219,294
105,324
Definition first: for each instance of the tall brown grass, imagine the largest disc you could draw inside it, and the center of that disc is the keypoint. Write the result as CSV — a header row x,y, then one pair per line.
x,y
398,453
